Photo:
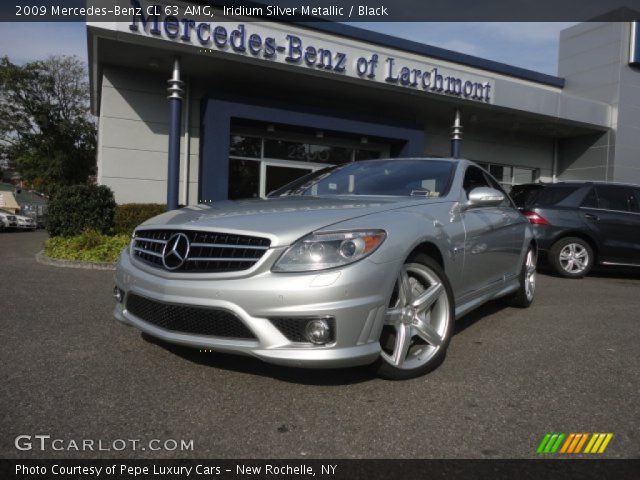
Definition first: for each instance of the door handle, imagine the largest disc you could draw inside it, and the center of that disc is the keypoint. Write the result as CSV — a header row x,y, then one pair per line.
x,y
591,216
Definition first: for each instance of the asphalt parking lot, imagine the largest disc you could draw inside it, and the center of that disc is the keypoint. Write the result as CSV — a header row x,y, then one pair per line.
x,y
570,363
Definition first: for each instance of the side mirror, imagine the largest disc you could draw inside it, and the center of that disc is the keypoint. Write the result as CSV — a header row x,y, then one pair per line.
x,y
484,197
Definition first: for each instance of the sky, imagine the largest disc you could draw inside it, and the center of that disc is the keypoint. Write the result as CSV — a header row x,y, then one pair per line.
x,y
529,45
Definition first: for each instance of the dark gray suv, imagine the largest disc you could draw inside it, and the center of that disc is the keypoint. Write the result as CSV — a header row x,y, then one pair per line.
x,y
579,224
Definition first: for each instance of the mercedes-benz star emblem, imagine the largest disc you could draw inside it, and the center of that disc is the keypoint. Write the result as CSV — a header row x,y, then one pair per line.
x,y
175,251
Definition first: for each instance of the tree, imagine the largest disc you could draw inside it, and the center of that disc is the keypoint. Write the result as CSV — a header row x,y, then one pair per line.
x,y
46,129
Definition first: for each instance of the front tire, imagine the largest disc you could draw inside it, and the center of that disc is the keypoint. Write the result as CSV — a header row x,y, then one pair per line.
x,y
571,257
525,294
419,321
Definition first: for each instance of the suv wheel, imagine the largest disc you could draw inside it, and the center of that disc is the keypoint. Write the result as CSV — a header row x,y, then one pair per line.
x,y
571,257
418,322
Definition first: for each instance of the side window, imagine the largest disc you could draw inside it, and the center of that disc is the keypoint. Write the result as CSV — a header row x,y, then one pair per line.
x,y
635,200
555,195
591,200
614,198
474,178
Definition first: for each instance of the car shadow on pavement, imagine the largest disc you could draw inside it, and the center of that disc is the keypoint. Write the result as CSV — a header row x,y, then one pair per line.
x,y
486,310
616,273
253,366
632,273
305,376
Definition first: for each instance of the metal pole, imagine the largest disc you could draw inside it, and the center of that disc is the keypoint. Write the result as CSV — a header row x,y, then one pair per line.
x,y
554,165
175,115
186,159
456,135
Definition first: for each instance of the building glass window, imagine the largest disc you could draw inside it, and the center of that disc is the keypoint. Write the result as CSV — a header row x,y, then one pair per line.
x,y
263,162
244,179
509,175
242,146
366,154
523,175
306,152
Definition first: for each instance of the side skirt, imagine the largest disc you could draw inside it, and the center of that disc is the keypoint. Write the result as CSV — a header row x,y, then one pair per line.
x,y
509,286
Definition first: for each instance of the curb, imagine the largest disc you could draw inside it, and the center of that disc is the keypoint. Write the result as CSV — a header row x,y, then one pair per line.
x,y
55,262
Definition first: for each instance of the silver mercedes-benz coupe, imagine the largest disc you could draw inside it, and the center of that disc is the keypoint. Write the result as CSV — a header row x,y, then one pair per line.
x,y
364,263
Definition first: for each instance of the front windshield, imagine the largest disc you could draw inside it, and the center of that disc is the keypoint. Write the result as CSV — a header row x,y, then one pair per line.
x,y
424,178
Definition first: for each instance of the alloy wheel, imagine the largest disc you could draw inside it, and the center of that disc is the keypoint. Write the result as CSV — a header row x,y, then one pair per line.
x,y
530,275
574,258
417,319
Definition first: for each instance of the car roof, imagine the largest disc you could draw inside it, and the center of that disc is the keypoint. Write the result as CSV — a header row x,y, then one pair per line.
x,y
577,183
442,159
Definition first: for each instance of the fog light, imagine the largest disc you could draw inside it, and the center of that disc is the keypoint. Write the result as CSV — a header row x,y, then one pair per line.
x,y
118,294
317,331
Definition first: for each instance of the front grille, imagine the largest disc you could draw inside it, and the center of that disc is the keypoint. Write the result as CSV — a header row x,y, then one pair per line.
x,y
293,327
188,319
208,251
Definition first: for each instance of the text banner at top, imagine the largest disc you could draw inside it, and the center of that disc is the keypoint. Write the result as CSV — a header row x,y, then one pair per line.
x,y
333,11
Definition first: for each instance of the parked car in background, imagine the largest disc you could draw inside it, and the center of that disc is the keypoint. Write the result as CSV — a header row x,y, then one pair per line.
x,y
25,223
581,224
8,220
367,262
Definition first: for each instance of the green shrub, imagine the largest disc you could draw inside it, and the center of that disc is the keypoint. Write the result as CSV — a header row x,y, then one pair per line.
x,y
90,246
77,208
129,215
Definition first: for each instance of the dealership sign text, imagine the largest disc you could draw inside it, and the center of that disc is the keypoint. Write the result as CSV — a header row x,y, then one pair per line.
x,y
255,41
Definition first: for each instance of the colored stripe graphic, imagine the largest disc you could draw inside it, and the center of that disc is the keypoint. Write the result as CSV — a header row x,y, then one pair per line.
x,y
573,443
550,443
556,445
598,443
543,443
577,439
567,443
581,443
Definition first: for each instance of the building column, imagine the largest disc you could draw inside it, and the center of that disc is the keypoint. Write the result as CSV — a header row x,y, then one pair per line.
x,y
456,134
175,129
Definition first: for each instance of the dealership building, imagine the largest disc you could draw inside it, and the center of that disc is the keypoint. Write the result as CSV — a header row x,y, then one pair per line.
x,y
194,111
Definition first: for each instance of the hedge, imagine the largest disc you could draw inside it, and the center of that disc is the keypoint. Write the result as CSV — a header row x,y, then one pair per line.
x,y
77,208
90,246
130,215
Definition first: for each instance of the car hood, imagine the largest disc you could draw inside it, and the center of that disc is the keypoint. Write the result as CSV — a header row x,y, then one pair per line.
x,y
283,219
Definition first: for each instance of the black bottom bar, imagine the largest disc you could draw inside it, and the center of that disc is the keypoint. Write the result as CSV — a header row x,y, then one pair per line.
x,y
320,469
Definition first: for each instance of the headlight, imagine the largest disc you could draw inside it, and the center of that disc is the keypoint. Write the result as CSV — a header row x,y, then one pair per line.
x,y
320,251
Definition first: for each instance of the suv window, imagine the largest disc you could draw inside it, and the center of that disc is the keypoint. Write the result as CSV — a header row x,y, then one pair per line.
x,y
619,198
635,200
553,195
591,200
523,195
474,178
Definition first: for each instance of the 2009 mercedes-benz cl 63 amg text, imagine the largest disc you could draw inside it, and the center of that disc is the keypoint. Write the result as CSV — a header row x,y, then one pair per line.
x,y
364,263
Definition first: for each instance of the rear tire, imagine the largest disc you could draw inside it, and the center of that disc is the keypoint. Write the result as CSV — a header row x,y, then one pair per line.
x,y
419,321
571,257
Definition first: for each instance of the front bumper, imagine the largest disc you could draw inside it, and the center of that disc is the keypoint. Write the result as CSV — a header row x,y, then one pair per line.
x,y
355,296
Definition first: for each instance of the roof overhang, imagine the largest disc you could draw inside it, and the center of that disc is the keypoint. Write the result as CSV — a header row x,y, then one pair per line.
x,y
370,61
